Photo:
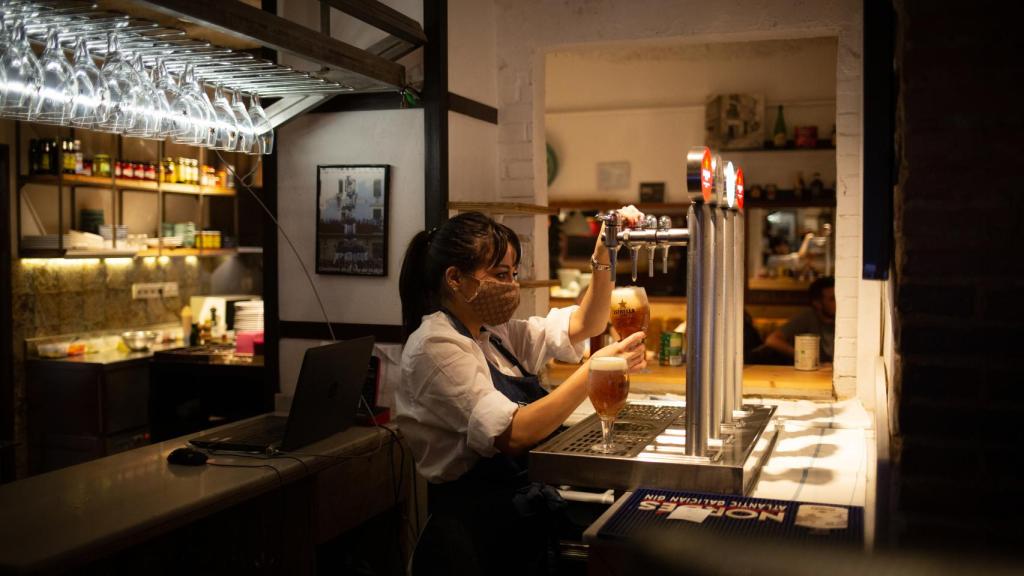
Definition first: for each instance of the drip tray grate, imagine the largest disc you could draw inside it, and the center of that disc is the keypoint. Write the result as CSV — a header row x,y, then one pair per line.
x,y
651,437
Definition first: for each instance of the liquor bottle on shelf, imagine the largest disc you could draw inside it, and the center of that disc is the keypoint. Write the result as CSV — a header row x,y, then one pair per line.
x,y
779,137
34,152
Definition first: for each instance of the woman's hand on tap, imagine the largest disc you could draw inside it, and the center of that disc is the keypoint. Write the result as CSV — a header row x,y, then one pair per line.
x,y
629,217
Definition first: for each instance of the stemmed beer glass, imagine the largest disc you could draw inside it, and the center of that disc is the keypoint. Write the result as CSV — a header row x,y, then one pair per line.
x,y
608,387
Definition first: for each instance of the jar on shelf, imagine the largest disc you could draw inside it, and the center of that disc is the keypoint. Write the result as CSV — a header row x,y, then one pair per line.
x,y
101,165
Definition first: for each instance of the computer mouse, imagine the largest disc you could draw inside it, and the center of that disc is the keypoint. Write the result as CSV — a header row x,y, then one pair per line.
x,y
187,457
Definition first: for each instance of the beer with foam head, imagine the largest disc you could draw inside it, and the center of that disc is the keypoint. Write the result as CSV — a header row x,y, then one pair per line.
x,y
630,311
607,387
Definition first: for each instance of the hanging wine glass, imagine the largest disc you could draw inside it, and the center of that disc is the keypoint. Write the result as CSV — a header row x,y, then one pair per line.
x,y
121,81
261,126
22,73
227,130
246,133
189,113
174,125
57,87
147,119
89,107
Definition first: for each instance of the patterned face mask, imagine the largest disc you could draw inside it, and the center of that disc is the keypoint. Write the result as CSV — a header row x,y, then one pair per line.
x,y
494,302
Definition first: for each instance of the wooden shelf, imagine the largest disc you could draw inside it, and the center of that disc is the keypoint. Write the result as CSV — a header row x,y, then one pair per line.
x,y
823,146
605,205
190,252
506,208
72,180
529,284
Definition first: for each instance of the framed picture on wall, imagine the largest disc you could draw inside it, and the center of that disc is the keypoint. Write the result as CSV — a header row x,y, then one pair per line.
x,y
352,220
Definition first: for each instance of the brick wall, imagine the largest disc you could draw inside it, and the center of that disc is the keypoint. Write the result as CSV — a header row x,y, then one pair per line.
x,y
959,276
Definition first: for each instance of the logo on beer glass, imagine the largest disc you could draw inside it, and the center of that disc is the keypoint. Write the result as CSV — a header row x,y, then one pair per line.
x,y
630,310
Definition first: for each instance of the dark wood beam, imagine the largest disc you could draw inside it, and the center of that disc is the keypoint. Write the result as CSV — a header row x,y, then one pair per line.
x,y
391,47
382,17
269,30
435,112
6,325
472,108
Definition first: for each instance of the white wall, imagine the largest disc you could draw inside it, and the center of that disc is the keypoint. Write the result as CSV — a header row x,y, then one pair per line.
x,y
652,140
626,102
472,64
529,29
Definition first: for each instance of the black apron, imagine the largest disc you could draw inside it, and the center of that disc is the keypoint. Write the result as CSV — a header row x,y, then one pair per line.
x,y
493,520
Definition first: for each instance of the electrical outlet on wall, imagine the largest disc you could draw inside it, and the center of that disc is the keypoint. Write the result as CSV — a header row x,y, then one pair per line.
x,y
147,290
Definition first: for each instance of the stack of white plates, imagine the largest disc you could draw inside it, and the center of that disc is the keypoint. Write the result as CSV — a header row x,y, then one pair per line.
x,y
249,316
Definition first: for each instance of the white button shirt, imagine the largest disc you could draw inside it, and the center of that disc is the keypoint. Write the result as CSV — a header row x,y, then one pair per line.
x,y
446,404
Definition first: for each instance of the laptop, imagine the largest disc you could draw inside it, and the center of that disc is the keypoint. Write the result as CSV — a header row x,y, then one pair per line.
x,y
325,402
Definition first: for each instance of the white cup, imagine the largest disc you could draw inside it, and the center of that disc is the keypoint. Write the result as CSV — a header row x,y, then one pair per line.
x,y
566,276
805,352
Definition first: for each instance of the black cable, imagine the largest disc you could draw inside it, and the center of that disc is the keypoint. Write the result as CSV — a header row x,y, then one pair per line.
x,y
295,251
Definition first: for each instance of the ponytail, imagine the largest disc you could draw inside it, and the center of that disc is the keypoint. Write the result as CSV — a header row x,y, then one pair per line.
x,y
413,287
468,241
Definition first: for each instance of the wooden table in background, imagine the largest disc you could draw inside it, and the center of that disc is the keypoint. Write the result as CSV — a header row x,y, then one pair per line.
x,y
758,380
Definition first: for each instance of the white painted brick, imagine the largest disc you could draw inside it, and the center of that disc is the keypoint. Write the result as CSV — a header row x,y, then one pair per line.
x,y
517,151
848,249
846,307
845,386
845,365
512,133
519,170
846,347
516,189
529,131
515,113
847,266
847,287
848,226
847,329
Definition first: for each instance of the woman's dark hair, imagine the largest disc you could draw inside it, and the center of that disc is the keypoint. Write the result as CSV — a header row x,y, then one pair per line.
x,y
468,241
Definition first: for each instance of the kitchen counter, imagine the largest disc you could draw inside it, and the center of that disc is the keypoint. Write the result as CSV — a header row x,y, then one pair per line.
x,y
67,518
112,356
758,380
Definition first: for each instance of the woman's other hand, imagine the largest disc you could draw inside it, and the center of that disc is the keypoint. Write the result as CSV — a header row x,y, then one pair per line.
x,y
631,348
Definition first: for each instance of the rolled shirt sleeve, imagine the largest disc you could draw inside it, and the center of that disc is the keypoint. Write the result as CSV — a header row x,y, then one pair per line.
x,y
538,339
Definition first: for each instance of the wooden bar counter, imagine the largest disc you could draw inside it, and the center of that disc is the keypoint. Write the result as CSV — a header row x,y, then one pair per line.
x,y
758,380
133,512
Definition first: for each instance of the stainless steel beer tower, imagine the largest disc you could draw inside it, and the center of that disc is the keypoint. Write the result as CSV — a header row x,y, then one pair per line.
x,y
726,443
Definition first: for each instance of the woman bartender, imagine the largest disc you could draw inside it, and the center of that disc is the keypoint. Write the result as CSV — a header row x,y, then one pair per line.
x,y
470,403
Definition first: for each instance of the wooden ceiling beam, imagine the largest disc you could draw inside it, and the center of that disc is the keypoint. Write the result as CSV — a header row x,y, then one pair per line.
x,y
382,17
246,22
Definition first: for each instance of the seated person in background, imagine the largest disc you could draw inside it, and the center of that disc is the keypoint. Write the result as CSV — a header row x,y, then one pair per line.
x,y
781,256
819,319
751,337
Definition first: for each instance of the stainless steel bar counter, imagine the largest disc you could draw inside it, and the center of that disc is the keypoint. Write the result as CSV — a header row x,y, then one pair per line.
x,y
134,507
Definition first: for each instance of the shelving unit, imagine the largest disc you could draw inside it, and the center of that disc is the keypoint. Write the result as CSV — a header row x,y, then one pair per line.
x,y
204,197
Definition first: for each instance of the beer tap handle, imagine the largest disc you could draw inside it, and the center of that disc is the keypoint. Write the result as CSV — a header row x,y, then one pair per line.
x,y
650,223
635,247
664,223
